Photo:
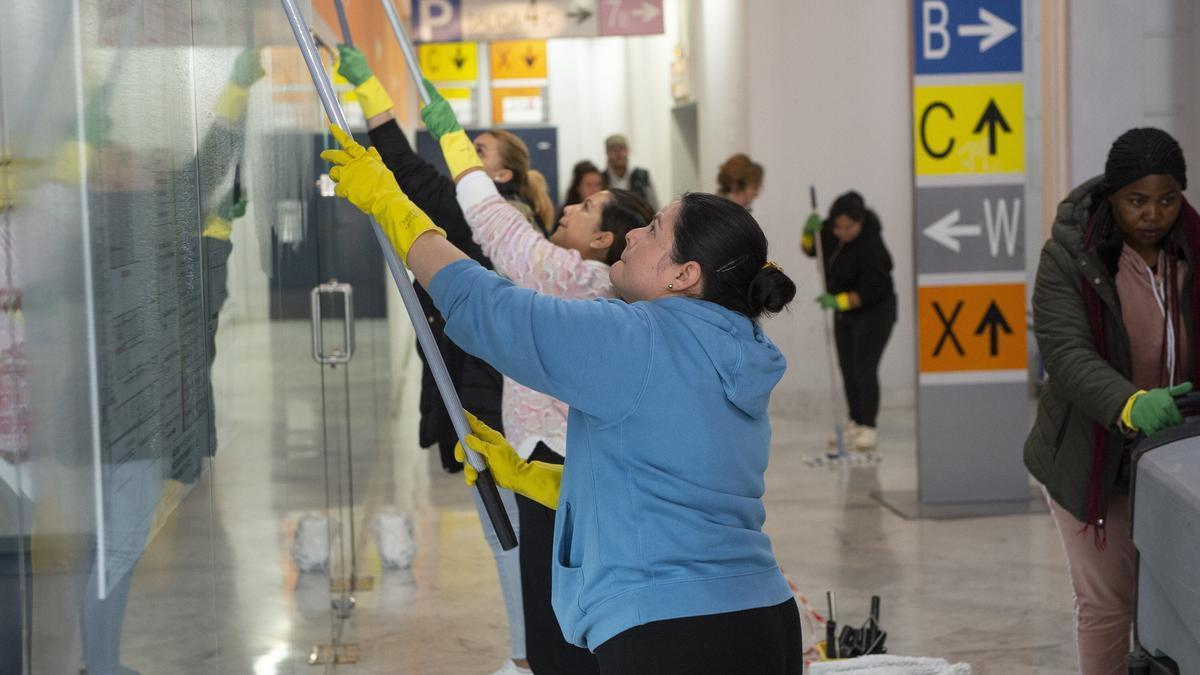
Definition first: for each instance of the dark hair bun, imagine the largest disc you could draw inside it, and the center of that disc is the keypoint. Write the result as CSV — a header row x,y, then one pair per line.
x,y
770,291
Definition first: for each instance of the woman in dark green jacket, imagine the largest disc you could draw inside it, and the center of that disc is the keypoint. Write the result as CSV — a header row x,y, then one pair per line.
x,y
1115,322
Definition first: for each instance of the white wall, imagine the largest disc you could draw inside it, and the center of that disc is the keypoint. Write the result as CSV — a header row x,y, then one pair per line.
x,y
720,63
830,105
1132,64
603,86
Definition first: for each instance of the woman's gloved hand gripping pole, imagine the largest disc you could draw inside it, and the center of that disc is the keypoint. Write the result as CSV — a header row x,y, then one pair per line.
x,y
363,179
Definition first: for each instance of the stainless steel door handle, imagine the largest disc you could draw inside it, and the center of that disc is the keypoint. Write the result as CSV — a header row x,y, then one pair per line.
x,y
344,353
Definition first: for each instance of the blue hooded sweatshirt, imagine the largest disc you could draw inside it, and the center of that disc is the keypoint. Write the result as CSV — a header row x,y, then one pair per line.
x,y
660,514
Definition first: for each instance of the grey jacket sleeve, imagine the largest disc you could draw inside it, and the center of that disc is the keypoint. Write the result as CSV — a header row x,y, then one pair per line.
x,y
1076,370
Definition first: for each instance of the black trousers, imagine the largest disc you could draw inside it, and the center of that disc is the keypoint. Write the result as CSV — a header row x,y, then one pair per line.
x,y
547,650
763,641
861,337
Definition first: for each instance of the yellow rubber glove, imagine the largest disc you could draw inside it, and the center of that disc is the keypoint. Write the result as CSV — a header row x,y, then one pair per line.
x,y
460,153
373,97
247,69
362,178
442,124
538,481
369,91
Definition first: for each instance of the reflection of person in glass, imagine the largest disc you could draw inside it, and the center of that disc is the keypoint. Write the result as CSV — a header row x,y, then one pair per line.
x,y
16,598
156,337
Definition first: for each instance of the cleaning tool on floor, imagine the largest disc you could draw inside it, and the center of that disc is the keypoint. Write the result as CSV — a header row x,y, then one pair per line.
x,y
887,664
835,397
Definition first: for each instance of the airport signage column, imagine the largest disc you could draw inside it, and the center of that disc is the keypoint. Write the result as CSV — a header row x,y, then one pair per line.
x,y
969,164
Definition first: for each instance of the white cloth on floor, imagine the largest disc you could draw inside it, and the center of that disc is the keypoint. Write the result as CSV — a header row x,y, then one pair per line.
x,y
888,664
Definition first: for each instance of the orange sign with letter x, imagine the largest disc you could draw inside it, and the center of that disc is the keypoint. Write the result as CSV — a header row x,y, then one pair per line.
x,y
966,328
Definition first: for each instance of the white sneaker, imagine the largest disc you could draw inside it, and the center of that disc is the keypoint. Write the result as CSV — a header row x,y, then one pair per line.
x,y
510,668
849,432
865,439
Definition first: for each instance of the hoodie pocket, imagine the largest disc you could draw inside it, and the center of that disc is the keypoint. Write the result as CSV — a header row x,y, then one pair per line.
x,y
567,576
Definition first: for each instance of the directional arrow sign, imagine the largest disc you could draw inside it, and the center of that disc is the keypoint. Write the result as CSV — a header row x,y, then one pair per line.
x,y
970,228
947,231
992,117
579,14
631,17
449,61
993,30
949,122
971,327
444,20
967,36
518,59
993,320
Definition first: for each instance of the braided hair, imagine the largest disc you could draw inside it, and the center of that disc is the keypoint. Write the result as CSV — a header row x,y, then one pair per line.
x,y
1137,153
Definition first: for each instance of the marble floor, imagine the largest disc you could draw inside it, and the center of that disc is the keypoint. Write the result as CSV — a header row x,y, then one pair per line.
x,y
218,589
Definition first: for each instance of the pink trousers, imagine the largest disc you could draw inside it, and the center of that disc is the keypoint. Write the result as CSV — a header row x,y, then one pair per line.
x,y
1103,581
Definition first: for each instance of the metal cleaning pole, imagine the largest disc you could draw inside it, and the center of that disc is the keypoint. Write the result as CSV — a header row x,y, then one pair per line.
x,y
341,14
834,398
410,54
486,484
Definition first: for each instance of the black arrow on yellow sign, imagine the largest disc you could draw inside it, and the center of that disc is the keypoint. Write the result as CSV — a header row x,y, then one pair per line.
x,y
530,57
992,117
994,321
459,59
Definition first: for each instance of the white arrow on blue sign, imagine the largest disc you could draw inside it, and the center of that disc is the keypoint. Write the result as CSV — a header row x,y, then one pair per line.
x,y
992,29
967,36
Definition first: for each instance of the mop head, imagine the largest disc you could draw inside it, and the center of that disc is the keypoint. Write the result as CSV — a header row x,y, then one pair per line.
x,y
888,664
397,545
843,460
310,542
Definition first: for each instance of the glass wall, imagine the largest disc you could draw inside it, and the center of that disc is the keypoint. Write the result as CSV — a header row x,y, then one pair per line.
x,y
182,483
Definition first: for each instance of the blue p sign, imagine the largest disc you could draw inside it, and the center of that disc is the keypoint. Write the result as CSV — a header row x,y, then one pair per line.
x,y
437,20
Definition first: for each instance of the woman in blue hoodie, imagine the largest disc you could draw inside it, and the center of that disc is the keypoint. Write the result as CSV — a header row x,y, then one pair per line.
x,y
660,562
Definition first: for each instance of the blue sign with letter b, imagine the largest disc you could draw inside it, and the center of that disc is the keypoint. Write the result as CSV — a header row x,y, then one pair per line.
x,y
967,36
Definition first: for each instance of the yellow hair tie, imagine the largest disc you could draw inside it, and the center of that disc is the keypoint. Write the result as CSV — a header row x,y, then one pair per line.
x,y
771,264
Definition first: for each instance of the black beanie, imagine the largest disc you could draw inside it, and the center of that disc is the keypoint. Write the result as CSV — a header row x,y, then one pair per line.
x,y
1142,152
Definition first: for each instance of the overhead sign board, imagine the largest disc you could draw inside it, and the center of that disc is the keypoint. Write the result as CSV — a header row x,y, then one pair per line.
x,y
449,61
518,59
971,228
450,20
967,36
964,129
631,17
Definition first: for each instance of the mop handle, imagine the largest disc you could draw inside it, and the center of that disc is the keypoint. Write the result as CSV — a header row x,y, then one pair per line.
x,y
406,46
343,22
433,357
817,242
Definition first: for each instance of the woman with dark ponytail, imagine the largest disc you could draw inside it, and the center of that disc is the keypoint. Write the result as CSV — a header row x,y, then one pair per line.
x,y
660,563
1115,319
